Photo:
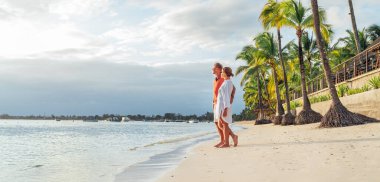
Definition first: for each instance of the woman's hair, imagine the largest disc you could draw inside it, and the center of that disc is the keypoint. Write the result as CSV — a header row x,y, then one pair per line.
x,y
228,71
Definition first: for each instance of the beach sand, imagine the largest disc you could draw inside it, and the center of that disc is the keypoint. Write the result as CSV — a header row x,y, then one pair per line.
x,y
287,153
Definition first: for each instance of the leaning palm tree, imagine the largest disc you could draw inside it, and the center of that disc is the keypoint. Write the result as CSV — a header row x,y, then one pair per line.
x,y
337,115
267,51
300,18
271,17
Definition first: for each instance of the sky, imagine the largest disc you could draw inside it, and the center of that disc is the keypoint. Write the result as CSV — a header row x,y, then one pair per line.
x,y
131,56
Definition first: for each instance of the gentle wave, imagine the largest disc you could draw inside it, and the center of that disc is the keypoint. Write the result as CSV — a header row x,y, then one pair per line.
x,y
158,164
175,140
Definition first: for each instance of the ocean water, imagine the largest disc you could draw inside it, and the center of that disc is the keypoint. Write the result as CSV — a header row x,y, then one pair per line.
x,y
79,151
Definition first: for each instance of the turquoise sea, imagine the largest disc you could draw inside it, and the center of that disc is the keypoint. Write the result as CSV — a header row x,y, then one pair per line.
x,y
33,150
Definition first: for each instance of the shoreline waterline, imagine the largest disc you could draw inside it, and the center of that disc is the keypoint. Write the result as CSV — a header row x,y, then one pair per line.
x,y
159,164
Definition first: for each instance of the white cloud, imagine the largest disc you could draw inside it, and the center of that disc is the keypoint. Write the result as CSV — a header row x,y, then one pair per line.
x,y
208,25
35,28
67,8
22,38
63,8
99,55
127,35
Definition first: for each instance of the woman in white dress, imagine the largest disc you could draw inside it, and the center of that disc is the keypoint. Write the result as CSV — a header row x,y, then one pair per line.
x,y
223,107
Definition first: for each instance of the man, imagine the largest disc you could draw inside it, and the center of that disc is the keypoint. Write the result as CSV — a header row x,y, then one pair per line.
x,y
218,81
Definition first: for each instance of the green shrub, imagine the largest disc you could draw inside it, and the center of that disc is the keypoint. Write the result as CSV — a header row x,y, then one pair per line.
x,y
375,82
313,100
342,90
324,98
354,91
365,88
294,105
321,98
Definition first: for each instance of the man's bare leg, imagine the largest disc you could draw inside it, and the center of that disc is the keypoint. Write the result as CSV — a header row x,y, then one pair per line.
x,y
220,134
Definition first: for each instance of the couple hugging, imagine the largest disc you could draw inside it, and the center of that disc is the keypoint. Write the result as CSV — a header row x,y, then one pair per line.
x,y
224,92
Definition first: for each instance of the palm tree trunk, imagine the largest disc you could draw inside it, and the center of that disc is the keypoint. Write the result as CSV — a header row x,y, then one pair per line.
x,y
283,68
355,29
306,102
266,89
288,118
337,115
260,97
280,109
261,118
307,115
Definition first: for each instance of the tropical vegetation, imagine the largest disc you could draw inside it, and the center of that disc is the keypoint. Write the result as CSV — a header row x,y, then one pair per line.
x,y
271,69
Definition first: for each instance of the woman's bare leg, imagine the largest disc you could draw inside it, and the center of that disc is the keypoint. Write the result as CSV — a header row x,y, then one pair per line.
x,y
228,132
233,136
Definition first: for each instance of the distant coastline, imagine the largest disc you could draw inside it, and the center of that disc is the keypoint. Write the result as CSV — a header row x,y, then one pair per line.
x,y
167,117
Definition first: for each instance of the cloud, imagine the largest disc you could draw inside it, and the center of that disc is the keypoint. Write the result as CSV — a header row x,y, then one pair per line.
x,y
338,14
211,25
22,38
189,30
63,8
70,87
67,8
136,56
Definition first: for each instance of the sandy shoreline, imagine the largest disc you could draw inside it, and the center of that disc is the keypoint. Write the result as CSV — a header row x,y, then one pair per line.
x,y
291,153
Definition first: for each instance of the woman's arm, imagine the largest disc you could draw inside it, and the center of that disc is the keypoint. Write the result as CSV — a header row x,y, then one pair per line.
x,y
225,112
232,94
230,99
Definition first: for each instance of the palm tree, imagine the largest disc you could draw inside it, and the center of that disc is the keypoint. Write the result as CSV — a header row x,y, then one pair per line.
x,y
311,56
254,98
300,18
267,51
347,48
253,69
354,28
350,41
373,32
291,55
337,115
309,48
338,54
271,18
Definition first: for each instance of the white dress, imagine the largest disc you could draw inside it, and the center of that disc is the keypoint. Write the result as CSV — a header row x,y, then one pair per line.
x,y
224,101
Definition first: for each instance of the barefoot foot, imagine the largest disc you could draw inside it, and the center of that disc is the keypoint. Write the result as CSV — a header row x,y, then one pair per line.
x,y
236,140
224,146
218,145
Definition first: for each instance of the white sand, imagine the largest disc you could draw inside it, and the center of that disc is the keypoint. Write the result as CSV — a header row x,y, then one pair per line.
x,y
288,153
